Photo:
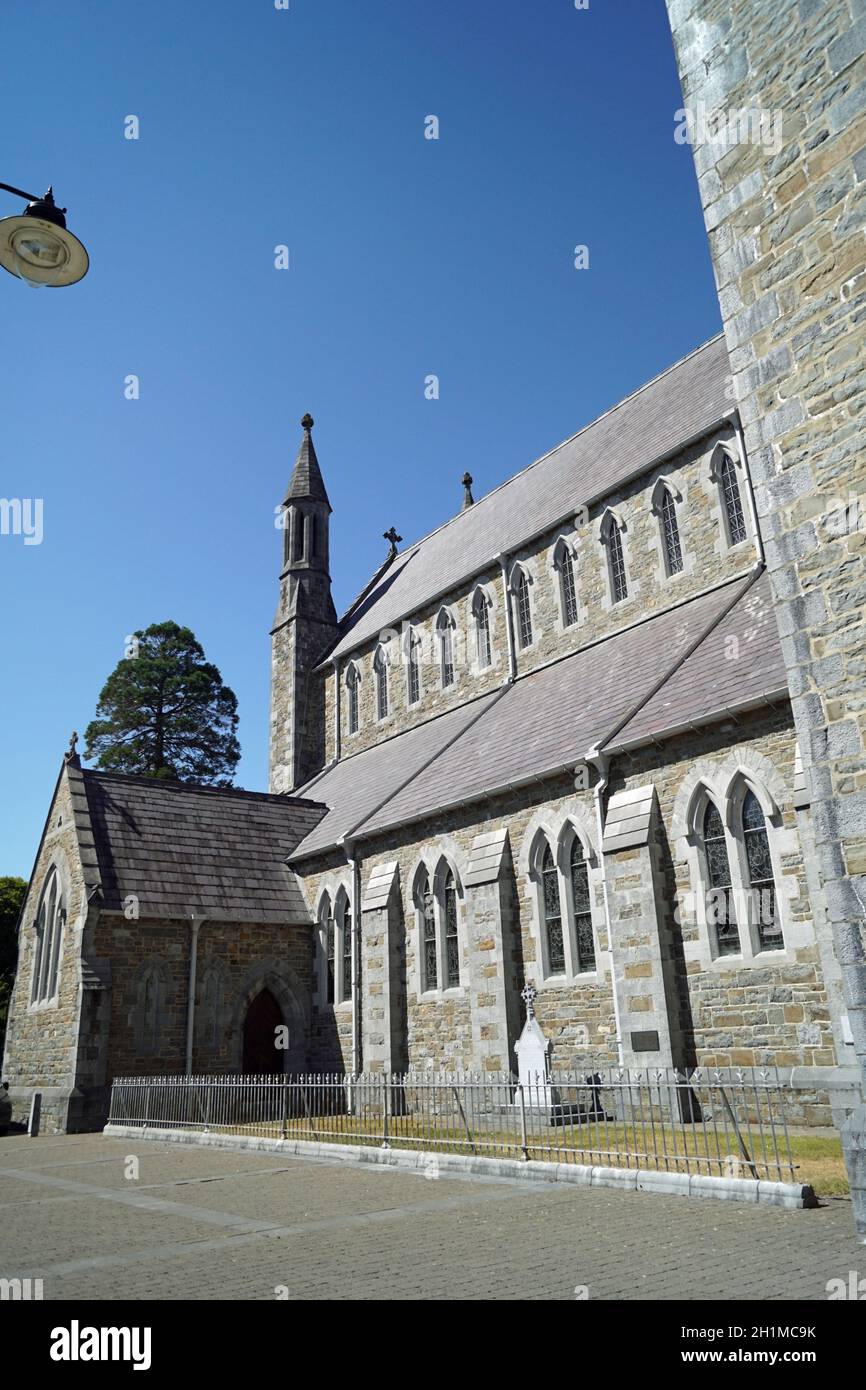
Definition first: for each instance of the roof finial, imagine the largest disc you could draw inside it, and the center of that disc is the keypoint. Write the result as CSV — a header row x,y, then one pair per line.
x,y
394,540
71,753
468,499
307,422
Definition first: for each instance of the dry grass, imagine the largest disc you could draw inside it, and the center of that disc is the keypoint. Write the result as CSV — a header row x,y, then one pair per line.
x,y
816,1160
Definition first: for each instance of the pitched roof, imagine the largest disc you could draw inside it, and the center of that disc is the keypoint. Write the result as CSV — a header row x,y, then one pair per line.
x,y
549,719
681,405
738,663
306,482
353,788
179,848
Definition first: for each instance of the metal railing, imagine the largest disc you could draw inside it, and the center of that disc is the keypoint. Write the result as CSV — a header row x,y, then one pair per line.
x,y
728,1123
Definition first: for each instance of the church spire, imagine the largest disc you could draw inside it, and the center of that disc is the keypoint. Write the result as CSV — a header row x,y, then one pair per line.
x,y
306,483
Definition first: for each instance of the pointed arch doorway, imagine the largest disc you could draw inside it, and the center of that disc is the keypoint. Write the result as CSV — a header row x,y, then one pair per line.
x,y
260,1053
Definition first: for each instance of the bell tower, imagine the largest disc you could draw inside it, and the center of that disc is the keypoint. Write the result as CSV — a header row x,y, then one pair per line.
x,y
305,626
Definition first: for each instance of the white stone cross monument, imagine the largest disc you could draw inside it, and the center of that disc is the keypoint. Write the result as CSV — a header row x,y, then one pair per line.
x,y
533,1057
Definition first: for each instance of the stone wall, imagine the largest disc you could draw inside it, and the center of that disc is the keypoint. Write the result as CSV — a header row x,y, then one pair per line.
x,y
234,961
785,220
40,1052
772,1010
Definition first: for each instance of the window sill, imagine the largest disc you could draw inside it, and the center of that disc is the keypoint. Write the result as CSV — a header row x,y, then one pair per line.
x,y
757,961
39,1005
569,981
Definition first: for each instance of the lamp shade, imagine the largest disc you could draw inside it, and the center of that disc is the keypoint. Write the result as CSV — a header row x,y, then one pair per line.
x,y
41,251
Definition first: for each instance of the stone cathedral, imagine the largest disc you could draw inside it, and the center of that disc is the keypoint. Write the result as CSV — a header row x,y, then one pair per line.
x,y
549,743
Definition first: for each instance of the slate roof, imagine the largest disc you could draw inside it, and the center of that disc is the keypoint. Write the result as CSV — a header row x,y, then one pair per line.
x,y
672,665
177,847
353,788
306,481
719,675
683,404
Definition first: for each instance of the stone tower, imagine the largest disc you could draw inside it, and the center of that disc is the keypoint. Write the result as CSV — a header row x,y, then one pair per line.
x,y
776,94
305,625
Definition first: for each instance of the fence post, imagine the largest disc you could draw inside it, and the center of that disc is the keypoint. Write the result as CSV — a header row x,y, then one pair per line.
x,y
284,1130
522,1121
385,1141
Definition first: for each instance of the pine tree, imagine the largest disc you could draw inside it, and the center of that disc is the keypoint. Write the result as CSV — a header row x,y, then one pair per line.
x,y
164,712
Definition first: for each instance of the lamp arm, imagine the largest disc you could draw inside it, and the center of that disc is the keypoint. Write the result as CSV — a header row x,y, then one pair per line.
x,y
19,192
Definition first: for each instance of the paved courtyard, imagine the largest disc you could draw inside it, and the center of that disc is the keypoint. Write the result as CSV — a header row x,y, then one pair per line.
x,y
204,1223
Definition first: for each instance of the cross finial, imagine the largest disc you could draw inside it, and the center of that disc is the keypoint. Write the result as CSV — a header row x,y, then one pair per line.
x,y
307,422
71,754
73,741
529,994
468,499
393,538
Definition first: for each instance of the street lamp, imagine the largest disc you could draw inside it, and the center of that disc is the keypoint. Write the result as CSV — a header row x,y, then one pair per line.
x,y
36,246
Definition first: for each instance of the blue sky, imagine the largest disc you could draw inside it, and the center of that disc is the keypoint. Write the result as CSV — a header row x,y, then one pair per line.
x,y
408,257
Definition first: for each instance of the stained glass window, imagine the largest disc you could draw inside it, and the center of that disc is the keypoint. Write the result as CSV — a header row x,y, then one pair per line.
x,y
352,686
720,900
552,915
761,881
731,497
452,950
524,611
446,651
380,665
414,673
346,981
582,909
569,592
50,922
618,582
431,968
482,631
671,534
330,961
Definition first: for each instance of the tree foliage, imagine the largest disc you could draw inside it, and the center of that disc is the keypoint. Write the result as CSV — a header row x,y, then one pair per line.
x,y
164,712
12,892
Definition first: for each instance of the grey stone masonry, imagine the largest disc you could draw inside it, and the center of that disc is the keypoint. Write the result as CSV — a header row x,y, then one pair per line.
x,y
639,940
382,1008
305,626
490,934
784,197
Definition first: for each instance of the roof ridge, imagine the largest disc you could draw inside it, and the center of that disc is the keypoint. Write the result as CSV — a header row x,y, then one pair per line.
x,y
170,784
632,395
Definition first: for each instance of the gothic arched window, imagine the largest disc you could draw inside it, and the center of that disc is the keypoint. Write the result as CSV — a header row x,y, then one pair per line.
x,y
583,933
552,914
720,906
523,608
430,968
729,488
673,551
481,613
413,671
353,681
760,873
340,949
380,667
330,959
452,951
445,630
50,922
563,561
